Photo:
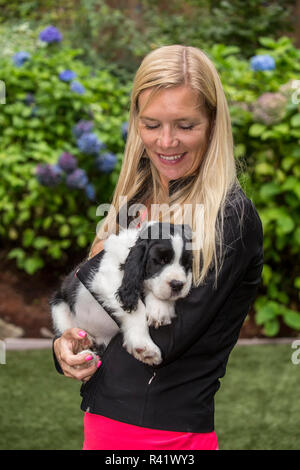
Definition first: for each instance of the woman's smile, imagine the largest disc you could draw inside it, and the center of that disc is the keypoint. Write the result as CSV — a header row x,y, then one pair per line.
x,y
172,159
174,129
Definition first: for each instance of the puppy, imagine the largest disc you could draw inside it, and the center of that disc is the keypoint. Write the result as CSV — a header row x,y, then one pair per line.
x,y
132,284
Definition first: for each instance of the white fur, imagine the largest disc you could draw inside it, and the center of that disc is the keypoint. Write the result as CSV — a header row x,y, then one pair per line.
x,y
159,300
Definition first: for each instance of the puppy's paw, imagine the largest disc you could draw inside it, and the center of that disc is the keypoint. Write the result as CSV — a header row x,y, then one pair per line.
x,y
86,352
160,313
144,350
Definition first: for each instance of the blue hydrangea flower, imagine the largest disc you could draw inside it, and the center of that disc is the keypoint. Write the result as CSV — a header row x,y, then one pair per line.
x,y
262,62
89,143
20,58
77,87
82,127
48,175
29,99
124,130
77,179
106,162
50,34
67,162
67,75
90,192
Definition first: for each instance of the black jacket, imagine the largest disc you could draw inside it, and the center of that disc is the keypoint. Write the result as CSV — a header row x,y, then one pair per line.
x,y
178,395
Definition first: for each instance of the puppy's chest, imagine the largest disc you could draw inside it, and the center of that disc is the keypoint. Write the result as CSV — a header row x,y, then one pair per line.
x,y
90,315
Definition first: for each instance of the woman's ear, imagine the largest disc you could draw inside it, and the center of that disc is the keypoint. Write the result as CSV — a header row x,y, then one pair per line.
x,y
132,284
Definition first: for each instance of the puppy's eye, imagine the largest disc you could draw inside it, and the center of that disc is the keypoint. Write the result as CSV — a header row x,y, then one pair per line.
x,y
187,259
160,261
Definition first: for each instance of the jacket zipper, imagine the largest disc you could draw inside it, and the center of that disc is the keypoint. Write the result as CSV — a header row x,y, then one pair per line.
x,y
154,374
146,397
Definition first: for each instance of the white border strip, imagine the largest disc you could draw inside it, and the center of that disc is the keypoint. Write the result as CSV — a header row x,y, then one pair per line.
x,y
23,344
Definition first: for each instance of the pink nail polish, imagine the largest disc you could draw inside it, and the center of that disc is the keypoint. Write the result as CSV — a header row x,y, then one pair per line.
x,y
89,357
99,364
82,334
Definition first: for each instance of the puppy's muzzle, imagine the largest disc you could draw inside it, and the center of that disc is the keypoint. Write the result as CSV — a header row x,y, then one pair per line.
x,y
176,286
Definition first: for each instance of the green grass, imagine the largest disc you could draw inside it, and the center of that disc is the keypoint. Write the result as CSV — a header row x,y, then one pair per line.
x,y
257,406
40,409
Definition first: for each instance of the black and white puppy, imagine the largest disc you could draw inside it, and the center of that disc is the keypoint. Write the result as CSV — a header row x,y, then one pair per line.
x,y
132,284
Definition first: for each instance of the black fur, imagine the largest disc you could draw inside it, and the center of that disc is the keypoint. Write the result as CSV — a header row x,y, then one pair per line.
x,y
132,284
140,266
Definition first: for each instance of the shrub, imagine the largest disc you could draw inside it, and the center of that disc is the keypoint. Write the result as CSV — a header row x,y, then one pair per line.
x,y
265,110
48,152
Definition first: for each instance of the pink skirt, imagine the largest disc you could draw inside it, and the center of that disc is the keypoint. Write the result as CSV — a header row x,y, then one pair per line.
x,y
102,433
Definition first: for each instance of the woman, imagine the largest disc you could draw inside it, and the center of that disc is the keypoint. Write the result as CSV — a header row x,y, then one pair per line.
x,y
179,152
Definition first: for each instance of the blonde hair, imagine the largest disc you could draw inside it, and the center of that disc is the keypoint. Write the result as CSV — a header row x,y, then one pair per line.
x,y
173,66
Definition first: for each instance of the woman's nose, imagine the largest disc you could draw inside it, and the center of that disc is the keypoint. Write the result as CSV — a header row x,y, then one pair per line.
x,y
167,138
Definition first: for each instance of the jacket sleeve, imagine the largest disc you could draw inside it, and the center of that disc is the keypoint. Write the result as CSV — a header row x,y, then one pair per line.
x,y
215,315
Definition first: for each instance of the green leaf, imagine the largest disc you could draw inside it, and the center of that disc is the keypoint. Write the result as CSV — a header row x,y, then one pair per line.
x,y
292,319
32,264
296,237
17,253
267,42
285,224
75,220
264,169
28,237
269,190
41,242
295,120
64,231
82,240
47,223
54,251
272,327
281,129
287,163
267,274
256,130
267,313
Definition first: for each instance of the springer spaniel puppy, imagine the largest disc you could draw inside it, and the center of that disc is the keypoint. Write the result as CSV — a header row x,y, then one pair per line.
x,y
132,284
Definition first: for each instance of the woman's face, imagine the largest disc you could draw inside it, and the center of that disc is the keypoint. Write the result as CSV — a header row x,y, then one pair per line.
x,y
174,130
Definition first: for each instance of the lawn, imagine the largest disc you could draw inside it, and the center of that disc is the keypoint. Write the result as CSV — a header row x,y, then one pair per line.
x,y
257,406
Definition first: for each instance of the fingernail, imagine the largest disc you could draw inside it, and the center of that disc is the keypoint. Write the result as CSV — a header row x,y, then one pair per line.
x,y
89,357
82,333
99,364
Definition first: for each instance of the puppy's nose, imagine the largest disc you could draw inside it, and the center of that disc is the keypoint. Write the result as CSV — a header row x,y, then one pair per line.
x,y
176,286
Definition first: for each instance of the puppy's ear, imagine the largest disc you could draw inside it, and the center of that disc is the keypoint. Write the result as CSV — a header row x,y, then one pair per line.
x,y
132,285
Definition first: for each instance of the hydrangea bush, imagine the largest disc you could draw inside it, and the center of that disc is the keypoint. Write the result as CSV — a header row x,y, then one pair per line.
x,y
62,137
264,97
59,119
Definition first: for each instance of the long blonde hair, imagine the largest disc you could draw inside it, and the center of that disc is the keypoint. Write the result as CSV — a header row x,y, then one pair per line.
x,y
172,66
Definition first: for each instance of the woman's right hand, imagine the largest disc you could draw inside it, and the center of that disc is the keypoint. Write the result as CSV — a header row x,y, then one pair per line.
x,y
75,365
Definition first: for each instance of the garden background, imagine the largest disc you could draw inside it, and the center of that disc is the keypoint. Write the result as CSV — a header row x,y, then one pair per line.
x,y
66,70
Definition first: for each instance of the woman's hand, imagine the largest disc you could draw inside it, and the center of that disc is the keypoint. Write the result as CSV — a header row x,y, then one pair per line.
x,y
75,365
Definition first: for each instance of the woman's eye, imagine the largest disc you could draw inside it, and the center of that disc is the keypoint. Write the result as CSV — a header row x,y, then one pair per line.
x,y
151,127
186,128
